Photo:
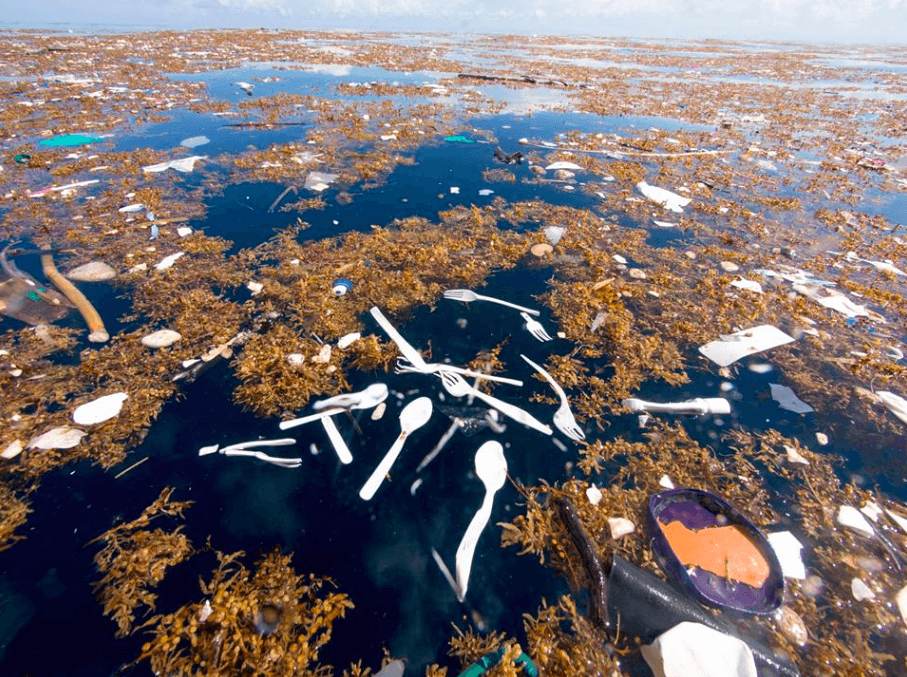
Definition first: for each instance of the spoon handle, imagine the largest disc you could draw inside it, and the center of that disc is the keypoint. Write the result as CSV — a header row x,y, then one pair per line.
x,y
343,451
284,425
371,486
467,549
513,412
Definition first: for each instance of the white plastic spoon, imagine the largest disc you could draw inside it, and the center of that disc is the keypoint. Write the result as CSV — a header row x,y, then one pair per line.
x,y
343,451
371,397
414,416
491,467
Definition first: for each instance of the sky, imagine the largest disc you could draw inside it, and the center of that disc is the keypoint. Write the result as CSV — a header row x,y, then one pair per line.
x,y
849,21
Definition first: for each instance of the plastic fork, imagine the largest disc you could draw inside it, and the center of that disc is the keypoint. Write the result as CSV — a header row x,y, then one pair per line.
x,y
456,386
563,417
404,367
536,329
260,455
468,296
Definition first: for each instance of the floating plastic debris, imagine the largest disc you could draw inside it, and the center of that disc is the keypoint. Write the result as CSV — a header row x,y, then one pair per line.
x,y
12,450
65,189
454,190
347,340
860,590
246,87
69,140
491,468
184,165
99,410
62,437
735,346
849,516
787,399
195,141
319,181
700,405
458,139
594,495
161,338
665,224
541,249
695,649
667,199
563,165
794,456
341,286
131,209
749,285
620,526
485,192
184,231
168,261
788,550
896,404
729,266
94,271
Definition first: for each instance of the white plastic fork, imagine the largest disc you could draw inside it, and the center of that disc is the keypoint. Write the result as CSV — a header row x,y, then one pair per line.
x,y
404,366
536,329
563,417
468,296
260,455
456,386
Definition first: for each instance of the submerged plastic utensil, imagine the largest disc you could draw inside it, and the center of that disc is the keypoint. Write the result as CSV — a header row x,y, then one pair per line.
x,y
371,397
456,386
491,468
563,417
468,296
414,416
336,439
404,366
700,405
535,328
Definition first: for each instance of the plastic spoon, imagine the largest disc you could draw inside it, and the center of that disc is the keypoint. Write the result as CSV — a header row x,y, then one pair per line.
x,y
414,416
491,467
343,451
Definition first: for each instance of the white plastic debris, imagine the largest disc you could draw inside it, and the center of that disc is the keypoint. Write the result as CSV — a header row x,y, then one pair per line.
x,y
246,87
665,198
901,600
99,410
788,550
378,412
319,181
748,285
896,404
733,347
700,405
665,482
93,271
900,521
210,449
254,287
860,590
484,192
324,355
665,224
849,516
594,495
62,437
454,190
204,612
554,233
620,259
562,165
787,399
184,231
620,526
794,456
195,141
347,340
690,649
12,450
168,261
872,510
184,165
822,439
129,209
161,338
729,266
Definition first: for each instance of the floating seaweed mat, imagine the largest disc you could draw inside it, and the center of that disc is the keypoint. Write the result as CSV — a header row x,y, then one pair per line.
x,y
69,140
31,303
692,529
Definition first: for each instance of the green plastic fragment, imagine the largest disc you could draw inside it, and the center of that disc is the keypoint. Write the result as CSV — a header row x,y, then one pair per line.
x,y
33,296
21,158
492,659
458,139
69,140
